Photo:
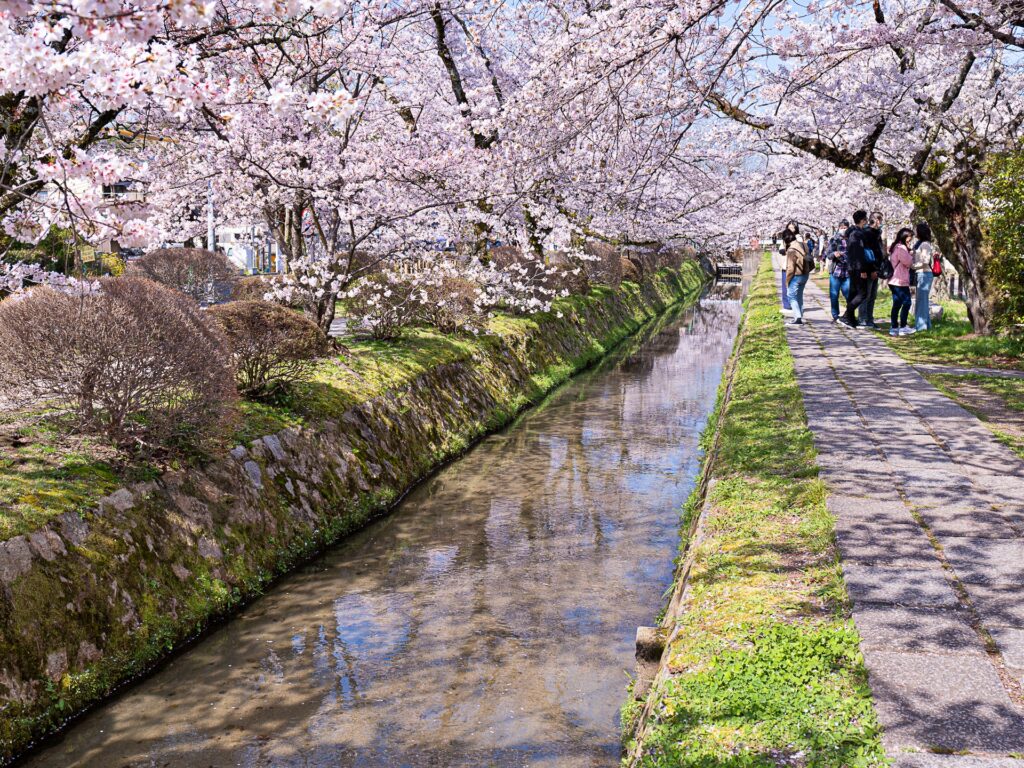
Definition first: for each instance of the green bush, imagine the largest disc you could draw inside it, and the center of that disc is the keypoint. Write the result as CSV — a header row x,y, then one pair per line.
x,y
1004,206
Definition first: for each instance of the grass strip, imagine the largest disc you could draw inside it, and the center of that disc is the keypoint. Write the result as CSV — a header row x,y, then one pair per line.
x,y
763,665
997,402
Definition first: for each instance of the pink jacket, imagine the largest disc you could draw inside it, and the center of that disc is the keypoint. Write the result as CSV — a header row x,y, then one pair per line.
x,y
901,260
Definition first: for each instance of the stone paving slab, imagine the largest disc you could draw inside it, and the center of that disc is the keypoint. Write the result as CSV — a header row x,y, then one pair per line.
x,y
927,588
921,630
999,605
902,544
1011,645
959,520
986,561
852,511
926,760
889,442
951,702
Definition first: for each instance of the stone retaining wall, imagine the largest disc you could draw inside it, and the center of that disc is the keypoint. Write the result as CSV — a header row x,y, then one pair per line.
x,y
91,601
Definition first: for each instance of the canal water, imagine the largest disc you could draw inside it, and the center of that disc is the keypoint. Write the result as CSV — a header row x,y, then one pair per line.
x,y
488,621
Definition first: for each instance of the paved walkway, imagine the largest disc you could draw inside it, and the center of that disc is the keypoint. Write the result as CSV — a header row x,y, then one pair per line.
x,y
930,524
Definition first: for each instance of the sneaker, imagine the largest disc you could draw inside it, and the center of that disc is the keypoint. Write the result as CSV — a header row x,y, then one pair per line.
x,y
835,319
907,331
871,326
894,331
797,321
843,321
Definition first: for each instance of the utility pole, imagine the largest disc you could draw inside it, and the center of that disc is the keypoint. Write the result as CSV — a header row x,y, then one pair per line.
x,y
211,238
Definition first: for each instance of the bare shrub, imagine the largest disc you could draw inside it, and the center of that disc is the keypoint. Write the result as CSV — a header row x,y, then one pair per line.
x,y
382,305
196,272
273,347
449,303
628,269
674,257
136,361
604,263
644,261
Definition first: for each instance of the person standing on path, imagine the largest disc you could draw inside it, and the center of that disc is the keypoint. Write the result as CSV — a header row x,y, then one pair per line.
x,y
899,283
779,262
798,271
874,245
924,254
838,275
861,270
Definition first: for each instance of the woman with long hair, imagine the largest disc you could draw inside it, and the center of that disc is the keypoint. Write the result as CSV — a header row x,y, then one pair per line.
x,y
798,271
899,283
787,236
924,255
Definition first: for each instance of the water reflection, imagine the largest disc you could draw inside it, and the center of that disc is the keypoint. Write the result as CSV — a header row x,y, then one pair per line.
x,y
487,621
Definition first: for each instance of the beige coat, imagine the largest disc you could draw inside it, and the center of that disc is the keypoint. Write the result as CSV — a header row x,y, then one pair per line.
x,y
796,262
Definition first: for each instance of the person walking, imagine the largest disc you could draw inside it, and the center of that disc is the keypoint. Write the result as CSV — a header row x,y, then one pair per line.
x,y
838,275
924,256
874,248
901,259
860,268
798,272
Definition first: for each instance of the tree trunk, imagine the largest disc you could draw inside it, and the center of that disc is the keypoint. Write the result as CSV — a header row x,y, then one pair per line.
x,y
325,312
956,220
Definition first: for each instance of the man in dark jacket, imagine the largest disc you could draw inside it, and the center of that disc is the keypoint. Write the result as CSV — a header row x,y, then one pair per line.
x,y
861,270
872,241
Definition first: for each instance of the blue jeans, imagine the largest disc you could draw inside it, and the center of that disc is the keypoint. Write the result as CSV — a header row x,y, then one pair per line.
x,y
900,306
922,319
835,287
796,295
785,292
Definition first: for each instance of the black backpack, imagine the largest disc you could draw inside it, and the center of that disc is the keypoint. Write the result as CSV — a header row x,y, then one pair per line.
x,y
885,268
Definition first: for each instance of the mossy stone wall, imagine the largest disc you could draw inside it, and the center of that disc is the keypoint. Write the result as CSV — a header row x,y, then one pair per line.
x,y
91,601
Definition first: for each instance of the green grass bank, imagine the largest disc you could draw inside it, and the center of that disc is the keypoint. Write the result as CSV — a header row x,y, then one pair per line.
x,y
762,665
94,593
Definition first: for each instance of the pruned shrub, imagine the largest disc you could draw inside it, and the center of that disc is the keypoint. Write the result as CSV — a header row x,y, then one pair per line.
x,y
254,288
273,347
135,361
204,275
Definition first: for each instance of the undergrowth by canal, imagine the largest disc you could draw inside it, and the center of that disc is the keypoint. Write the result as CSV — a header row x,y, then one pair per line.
x,y
763,661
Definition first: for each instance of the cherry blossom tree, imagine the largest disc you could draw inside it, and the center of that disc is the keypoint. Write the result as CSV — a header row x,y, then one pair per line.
x,y
913,94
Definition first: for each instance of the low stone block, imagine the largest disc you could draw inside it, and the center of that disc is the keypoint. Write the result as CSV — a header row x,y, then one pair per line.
x,y
15,559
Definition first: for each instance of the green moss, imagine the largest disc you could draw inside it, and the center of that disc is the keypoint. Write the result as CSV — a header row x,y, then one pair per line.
x,y
764,667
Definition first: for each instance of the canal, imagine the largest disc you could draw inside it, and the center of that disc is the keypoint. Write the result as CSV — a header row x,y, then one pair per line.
x,y
487,621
